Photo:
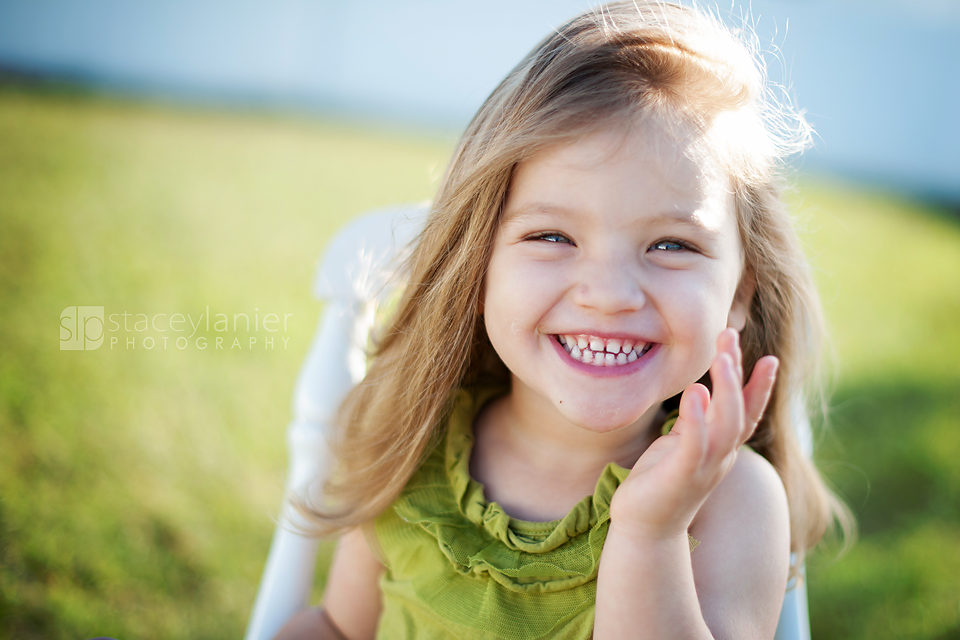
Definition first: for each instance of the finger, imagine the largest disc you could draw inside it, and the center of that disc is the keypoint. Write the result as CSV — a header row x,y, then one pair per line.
x,y
737,353
757,392
729,342
691,424
724,416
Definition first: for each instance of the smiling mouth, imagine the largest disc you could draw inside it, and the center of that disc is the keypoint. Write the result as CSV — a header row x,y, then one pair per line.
x,y
602,352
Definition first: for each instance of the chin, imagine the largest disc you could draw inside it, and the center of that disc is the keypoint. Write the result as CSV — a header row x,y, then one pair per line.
x,y
603,420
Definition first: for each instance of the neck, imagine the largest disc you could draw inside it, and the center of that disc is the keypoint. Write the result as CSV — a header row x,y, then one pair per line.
x,y
537,464
539,427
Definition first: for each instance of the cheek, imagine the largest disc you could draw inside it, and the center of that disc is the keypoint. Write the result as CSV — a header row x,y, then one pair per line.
x,y
503,314
701,298
699,309
522,287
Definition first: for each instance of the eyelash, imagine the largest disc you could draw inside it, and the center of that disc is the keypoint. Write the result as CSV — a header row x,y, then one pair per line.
x,y
551,234
681,246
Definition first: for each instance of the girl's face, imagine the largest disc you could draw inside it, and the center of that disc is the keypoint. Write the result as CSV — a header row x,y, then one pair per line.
x,y
616,266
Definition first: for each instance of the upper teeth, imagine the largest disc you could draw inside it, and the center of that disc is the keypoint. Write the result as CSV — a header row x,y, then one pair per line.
x,y
601,352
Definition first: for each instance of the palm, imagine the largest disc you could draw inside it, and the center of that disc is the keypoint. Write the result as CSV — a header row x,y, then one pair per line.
x,y
662,491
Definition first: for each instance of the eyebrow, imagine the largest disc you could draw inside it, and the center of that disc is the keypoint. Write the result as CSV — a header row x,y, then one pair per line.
x,y
533,209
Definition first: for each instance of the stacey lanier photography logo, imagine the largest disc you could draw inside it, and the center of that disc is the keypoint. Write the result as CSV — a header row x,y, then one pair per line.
x,y
81,328
86,328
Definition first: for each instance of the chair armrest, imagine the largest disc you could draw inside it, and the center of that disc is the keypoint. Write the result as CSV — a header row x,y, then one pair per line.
x,y
794,621
356,268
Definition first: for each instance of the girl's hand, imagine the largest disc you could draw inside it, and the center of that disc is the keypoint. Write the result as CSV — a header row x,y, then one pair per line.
x,y
674,476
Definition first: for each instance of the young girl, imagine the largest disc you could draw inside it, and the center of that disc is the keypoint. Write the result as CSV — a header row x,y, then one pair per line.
x,y
606,322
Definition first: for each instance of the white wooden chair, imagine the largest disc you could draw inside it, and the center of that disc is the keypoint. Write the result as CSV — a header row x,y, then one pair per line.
x,y
354,273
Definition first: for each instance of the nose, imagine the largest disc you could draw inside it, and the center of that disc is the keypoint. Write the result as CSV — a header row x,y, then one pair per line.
x,y
609,284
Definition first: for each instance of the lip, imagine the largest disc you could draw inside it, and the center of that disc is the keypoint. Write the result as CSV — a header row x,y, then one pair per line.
x,y
606,335
604,372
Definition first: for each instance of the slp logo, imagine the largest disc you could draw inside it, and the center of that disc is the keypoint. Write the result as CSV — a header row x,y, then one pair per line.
x,y
81,328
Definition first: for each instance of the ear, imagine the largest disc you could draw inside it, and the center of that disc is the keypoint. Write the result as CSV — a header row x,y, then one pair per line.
x,y
740,308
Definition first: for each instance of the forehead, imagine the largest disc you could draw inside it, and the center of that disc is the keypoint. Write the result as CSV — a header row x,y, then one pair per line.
x,y
639,169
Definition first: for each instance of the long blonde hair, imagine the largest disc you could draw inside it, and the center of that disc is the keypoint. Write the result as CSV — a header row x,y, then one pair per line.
x,y
618,63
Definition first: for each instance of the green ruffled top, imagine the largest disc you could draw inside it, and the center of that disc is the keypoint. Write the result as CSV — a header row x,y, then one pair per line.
x,y
459,567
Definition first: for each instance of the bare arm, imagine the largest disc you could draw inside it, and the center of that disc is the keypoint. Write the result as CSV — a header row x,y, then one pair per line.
x,y
310,624
731,586
650,585
741,565
351,601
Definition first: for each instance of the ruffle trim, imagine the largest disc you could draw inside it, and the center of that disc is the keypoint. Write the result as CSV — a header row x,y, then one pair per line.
x,y
479,538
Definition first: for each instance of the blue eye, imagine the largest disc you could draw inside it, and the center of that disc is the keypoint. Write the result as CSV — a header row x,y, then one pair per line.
x,y
668,245
552,237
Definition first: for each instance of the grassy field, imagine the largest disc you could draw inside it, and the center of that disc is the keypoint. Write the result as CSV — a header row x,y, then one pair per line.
x,y
138,484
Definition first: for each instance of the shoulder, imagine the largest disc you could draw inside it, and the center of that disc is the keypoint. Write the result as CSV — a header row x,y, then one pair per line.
x,y
752,488
749,504
742,562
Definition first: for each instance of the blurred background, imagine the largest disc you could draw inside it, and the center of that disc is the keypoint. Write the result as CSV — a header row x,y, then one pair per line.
x,y
164,158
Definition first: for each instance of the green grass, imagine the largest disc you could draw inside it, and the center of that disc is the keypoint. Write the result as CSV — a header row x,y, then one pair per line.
x,y
138,487
889,274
